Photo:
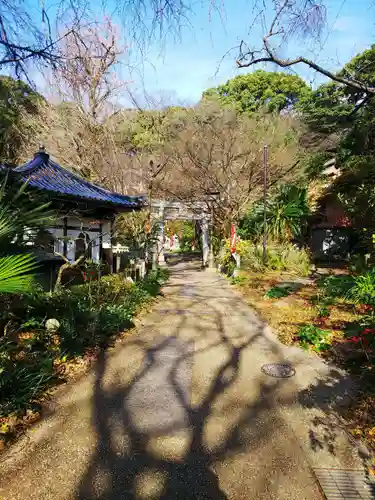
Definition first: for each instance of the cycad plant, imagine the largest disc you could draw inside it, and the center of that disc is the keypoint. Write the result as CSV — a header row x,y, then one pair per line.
x,y
18,213
286,215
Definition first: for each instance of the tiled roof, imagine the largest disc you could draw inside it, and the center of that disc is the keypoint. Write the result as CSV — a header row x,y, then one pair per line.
x,y
43,173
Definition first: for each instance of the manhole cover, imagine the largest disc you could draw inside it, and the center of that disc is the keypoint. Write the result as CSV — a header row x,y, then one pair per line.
x,y
278,370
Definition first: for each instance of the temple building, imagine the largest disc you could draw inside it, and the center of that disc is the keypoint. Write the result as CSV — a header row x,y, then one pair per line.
x,y
85,211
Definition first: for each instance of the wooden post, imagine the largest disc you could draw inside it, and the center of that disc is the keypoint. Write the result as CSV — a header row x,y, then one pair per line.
x,y
113,267
100,242
65,234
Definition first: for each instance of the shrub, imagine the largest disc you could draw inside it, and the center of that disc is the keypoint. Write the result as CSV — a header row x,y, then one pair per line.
x,y
336,286
238,280
362,333
311,335
243,248
294,259
277,292
323,310
287,212
26,370
283,257
363,289
88,315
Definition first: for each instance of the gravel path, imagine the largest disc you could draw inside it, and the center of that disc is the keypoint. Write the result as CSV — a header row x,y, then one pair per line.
x,y
183,410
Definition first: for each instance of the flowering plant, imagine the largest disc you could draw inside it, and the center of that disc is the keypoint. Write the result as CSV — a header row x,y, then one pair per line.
x,y
366,338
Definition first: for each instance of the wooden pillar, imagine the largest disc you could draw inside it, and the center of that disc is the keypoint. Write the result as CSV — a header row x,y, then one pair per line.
x,y
65,234
100,242
113,267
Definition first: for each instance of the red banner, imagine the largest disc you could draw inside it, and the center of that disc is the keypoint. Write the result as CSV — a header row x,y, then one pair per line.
x,y
233,239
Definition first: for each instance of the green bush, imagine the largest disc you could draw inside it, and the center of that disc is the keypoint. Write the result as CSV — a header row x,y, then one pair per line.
x,y
188,236
88,315
311,335
277,292
294,259
238,280
283,257
363,289
357,289
336,286
26,370
287,212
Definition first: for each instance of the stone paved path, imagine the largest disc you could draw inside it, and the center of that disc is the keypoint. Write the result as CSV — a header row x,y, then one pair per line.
x,y
182,410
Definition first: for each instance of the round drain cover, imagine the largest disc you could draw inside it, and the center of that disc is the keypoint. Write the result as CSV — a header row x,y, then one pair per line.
x,y
278,370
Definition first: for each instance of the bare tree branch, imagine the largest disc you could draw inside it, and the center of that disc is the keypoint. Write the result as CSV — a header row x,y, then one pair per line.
x,y
289,18
28,34
65,267
212,153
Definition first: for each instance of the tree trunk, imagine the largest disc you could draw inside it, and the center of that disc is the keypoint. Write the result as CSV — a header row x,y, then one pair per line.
x,y
63,268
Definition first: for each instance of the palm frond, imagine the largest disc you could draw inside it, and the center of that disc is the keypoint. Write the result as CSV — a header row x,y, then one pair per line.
x,y
17,273
18,213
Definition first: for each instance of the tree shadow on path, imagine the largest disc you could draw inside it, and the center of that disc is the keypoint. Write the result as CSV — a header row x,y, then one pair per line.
x,y
117,472
125,466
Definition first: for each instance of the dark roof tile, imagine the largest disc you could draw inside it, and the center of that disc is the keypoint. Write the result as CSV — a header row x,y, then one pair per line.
x,y
43,173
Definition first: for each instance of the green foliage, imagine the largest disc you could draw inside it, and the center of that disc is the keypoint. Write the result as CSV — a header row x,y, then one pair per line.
x,y
17,100
336,286
345,121
330,290
356,191
185,230
188,236
334,105
149,130
323,311
311,335
358,264
130,230
286,215
363,290
88,315
238,280
325,108
18,212
26,370
280,257
16,273
313,162
277,292
362,333
260,90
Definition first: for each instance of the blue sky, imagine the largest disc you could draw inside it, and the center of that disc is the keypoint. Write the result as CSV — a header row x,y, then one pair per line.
x,y
183,67
195,62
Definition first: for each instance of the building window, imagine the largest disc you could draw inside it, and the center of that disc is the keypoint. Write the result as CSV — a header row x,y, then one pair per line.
x,y
83,246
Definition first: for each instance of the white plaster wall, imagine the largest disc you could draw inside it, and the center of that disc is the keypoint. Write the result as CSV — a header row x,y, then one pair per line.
x,y
94,238
106,235
57,233
95,248
74,233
